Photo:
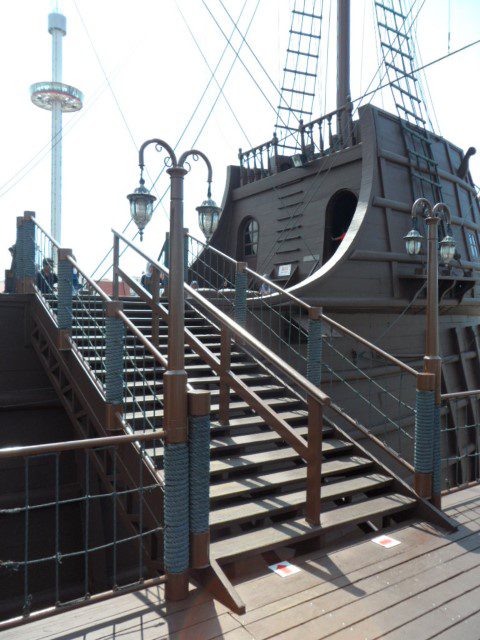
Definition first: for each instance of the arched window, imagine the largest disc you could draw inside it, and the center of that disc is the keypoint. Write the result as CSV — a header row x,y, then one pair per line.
x,y
250,237
338,216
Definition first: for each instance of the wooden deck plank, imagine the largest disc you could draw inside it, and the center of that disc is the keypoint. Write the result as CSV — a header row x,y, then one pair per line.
x,y
418,603
324,572
370,598
440,618
464,630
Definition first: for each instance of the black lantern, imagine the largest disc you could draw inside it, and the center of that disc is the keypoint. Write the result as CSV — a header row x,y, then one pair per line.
x,y
141,206
208,217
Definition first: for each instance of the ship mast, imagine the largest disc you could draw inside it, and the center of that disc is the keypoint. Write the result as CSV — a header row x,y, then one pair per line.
x,y
344,123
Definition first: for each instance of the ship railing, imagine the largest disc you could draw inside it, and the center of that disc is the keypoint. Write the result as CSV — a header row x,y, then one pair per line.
x,y
460,440
327,134
362,379
230,331
53,568
259,162
320,137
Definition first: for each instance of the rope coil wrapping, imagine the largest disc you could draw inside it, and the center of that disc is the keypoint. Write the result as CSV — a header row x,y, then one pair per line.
x,y
199,440
114,332
18,263
424,417
176,527
240,310
437,457
314,352
29,249
65,284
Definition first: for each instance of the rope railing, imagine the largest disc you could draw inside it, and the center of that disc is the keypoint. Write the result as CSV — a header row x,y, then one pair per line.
x,y
52,567
460,439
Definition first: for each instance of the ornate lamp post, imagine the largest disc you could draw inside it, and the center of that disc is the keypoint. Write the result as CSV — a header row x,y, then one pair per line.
x,y
432,360
175,418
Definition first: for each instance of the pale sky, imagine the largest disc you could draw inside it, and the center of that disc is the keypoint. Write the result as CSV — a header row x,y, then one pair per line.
x,y
156,76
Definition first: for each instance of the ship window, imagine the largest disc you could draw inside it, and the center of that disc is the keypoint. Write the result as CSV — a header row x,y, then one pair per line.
x,y
473,245
250,238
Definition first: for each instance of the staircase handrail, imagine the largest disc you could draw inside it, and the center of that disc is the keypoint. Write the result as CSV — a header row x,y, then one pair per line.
x,y
52,240
333,323
238,331
92,283
77,445
460,394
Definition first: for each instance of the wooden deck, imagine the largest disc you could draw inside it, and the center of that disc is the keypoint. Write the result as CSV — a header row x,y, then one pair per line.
x,y
426,587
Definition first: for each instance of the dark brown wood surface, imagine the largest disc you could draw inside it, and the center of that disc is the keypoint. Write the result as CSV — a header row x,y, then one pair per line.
x,y
428,586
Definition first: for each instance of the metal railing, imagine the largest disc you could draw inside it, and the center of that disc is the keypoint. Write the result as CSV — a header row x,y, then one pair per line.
x,y
460,435
88,320
51,566
361,378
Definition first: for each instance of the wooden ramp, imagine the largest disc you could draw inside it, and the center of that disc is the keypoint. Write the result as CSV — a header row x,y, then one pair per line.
x,y
426,587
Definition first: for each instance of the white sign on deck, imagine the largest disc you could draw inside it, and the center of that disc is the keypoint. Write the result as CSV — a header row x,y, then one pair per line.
x,y
284,569
386,541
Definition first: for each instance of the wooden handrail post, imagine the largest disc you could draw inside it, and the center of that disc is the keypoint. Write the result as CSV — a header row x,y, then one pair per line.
x,y
314,462
116,259
224,396
65,298
155,280
199,462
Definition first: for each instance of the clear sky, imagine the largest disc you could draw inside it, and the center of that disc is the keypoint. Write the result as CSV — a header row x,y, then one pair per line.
x,y
142,75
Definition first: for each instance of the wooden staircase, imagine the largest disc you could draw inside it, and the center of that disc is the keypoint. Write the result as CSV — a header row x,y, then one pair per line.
x,y
258,482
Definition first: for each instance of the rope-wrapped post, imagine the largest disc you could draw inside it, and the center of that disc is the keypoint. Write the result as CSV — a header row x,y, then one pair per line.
x,y
18,264
433,365
199,445
423,443
176,474
28,251
114,345
65,295
314,346
240,302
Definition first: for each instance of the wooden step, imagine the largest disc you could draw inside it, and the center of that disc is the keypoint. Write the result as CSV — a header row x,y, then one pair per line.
x,y
239,405
291,531
277,479
262,390
219,465
284,454
281,502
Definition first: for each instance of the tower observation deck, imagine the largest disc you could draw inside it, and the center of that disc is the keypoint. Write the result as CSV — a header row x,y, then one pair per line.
x,y
57,98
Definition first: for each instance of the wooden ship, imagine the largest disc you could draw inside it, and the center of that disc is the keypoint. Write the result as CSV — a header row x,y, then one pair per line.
x,y
256,397
323,208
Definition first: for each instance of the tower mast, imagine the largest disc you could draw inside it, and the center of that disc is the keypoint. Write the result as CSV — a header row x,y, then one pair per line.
x,y
344,123
57,98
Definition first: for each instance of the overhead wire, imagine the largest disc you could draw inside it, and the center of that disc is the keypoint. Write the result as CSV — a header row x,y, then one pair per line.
x,y
212,75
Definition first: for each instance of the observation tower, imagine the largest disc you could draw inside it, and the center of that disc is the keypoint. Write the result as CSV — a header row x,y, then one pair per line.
x,y
57,98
